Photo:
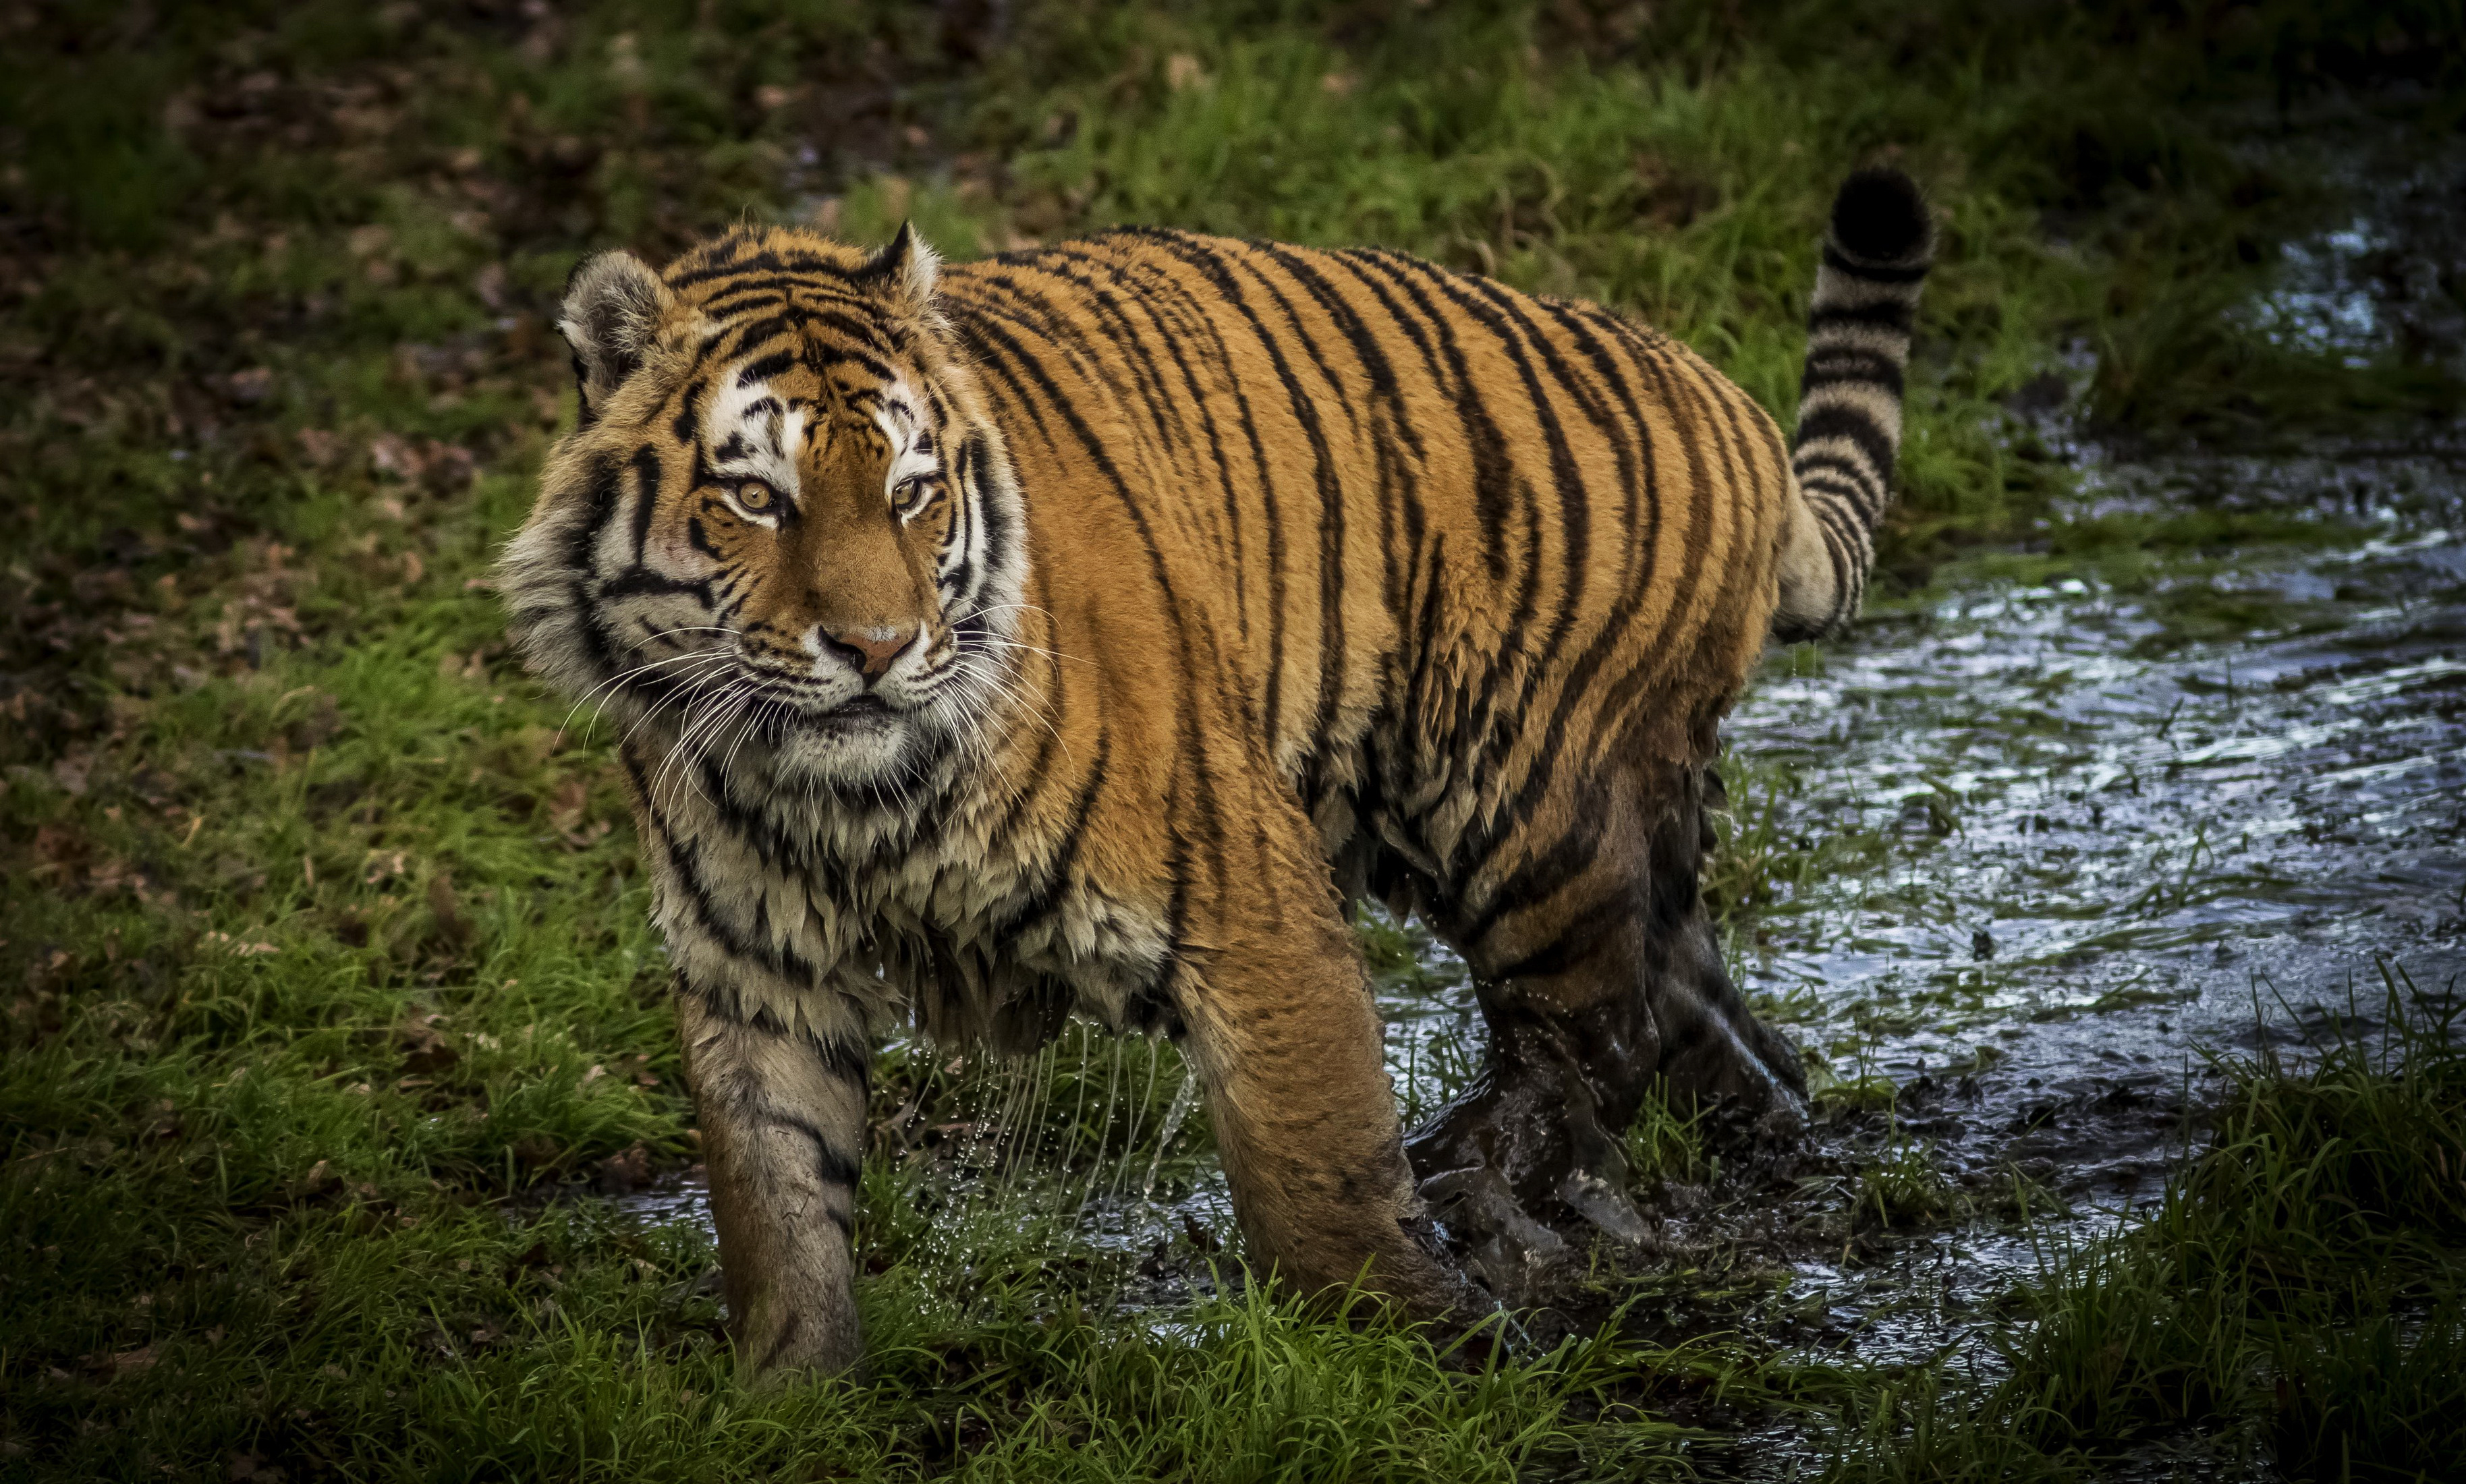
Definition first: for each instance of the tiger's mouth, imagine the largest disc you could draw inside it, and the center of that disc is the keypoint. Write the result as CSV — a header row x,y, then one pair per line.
x,y
743,698
793,708
802,706
856,711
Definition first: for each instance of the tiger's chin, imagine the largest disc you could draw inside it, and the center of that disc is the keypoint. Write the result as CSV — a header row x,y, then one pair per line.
x,y
864,742
859,741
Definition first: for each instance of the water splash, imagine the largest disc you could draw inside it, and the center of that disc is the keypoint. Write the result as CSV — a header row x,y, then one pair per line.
x,y
1183,1101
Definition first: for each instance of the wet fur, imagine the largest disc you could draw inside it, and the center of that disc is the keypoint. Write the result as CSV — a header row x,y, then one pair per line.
x,y
1263,577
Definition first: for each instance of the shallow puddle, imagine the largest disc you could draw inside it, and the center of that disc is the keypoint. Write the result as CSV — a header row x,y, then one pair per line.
x,y
2076,833
2089,838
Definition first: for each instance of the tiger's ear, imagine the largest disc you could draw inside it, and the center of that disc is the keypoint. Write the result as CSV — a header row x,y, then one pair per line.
x,y
904,271
613,306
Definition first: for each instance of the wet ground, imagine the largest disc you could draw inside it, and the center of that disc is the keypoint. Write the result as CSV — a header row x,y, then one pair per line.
x,y
2105,840
2013,860
2108,833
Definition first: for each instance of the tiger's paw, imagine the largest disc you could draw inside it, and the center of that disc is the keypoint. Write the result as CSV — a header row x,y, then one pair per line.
x,y
1512,1172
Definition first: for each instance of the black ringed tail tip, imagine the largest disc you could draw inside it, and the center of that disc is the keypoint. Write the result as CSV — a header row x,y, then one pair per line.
x,y
1879,218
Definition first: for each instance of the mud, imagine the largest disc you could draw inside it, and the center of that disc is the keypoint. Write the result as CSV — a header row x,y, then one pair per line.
x,y
2107,843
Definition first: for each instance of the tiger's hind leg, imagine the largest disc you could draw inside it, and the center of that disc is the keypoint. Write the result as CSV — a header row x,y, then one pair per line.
x,y
1595,980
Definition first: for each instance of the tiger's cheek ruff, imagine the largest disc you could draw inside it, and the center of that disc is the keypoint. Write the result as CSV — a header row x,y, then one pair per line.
x,y
590,606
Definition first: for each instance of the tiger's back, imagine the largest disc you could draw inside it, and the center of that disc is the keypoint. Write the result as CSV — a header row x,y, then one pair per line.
x,y
1432,545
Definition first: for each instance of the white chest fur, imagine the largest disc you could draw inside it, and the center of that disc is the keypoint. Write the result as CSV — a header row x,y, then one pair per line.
x,y
846,915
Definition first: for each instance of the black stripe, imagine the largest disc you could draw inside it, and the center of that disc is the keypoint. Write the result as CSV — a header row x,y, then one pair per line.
x,y
1219,267
1835,421
834,1164
641,582
1891,315
716,268
1492,488
1578,686
764,368
647,474
1873,272
1204,317
1055,883
1512,330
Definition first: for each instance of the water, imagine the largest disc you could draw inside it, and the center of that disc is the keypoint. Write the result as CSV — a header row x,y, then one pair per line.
x,y
2107,833
2382,281
2095,833
2049,842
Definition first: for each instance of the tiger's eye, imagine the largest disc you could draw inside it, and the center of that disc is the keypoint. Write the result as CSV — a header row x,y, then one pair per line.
x,y
755,496
912,494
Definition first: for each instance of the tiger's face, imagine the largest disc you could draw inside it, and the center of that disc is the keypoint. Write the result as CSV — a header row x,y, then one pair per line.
x,y
784,520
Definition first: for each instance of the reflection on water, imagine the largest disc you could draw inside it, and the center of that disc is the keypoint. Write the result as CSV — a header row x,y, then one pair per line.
x,y
2109,820
2382,284
2103,830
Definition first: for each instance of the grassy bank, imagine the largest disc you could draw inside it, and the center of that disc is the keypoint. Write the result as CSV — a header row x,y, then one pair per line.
x,y
330,1004
2298,1297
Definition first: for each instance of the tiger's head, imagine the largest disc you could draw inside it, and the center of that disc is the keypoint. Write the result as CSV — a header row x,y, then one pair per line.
x,y
783,515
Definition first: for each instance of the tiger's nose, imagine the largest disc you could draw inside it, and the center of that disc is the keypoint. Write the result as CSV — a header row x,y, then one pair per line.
x,y
870,649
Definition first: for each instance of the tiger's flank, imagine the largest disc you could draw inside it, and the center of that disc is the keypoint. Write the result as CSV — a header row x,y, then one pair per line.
x,y
1076,631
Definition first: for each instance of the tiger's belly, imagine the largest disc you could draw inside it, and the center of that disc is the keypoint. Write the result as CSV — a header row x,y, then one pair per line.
x,y
1003,969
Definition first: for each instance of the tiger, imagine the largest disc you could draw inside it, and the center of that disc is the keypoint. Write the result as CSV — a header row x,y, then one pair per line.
x,y
1091,628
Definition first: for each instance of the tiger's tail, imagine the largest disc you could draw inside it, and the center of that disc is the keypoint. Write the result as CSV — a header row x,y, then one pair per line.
x,y
1876,257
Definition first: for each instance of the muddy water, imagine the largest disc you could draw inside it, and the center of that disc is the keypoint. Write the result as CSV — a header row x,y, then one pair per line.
x,y
2090,821
2104,840
2106,837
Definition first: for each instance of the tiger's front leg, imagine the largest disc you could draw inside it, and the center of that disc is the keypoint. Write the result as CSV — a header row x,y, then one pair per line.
x,y
1286,1040
783,1120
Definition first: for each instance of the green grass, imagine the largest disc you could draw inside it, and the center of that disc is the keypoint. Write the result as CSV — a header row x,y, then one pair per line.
x,y
1767,854
2298,1295
1667,1145
573,1348
329,996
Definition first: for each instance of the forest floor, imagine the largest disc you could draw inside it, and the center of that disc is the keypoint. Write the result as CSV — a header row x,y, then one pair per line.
x,y
2112,871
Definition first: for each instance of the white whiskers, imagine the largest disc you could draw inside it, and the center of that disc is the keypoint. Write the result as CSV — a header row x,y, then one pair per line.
x,y
622,676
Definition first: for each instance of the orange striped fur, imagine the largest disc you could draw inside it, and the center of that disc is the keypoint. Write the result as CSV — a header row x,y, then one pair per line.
x,y
1075,630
